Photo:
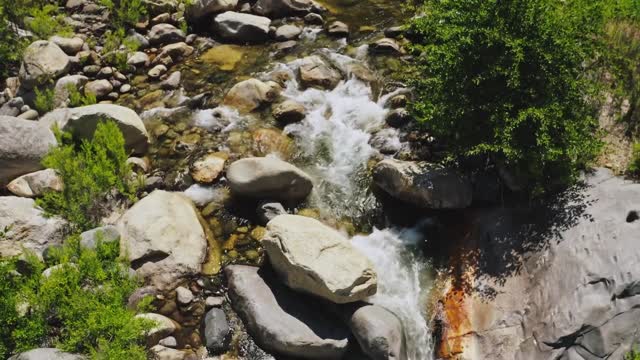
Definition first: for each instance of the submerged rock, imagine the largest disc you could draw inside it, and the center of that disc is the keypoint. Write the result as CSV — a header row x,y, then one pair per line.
x,y
314,258
42,61
244,28
208,168
82,122
423,184
23,145
281,320
36,184
163,238
268,178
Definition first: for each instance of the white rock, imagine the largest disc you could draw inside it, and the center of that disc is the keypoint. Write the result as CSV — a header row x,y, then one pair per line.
x,y
36,184
42,61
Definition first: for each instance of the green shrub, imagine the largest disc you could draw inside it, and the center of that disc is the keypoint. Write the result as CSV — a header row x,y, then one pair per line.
x,y
506,79
90,171
45,100
125,12
47,22
111,50
76,98
632,355
80,307
634,165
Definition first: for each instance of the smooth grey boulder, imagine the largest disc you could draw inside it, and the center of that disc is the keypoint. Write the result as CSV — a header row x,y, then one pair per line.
x,y
47,354
36,184
282,8
243,28
423,184
27,227
312,257
560,281
281,320
199,9
163,238
23,145
82,122
138,59
378,331
106,234
216,330
317,73
71,46
42,61
268,178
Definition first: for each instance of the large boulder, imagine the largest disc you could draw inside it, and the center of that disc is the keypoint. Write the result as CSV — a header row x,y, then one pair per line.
x,y
282,8
242,28
423,184
314,258
317,73
47,354
42,61
283,321
82,122
163,238
36,183
559,281
23,144
250,94
27,227
378,331
268,178
199,9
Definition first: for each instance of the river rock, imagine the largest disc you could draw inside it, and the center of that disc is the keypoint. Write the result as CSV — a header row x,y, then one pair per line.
x,y
338,29
71,46
385,46
138,59
243,28
267,211
106,234
172,82
268,178
250,94
314,258
47,354
165,34
199,9
23,144
12,107
99,88
176,51
42,61
30,114
378,331
216,330
160,352
63,84
287,32
398,118
315,72
163,238
289,111
423,184
208,168
559,281
157,71
28,227
283,321
282,8
82,122
35,184
163,327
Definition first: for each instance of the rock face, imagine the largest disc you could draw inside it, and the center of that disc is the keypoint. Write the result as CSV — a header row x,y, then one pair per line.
x,y
282,8
240,27
42,61
268,178
378,331
46,354
314,258
216,330
163,238
423,184
35,184
574,295
250,94
27,227
281,320
200,9
82,122
315,72
23,144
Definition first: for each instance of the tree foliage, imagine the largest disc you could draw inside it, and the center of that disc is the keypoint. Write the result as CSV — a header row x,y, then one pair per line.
x,y
509,79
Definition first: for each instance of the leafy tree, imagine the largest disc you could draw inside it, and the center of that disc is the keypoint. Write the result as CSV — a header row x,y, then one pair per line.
x,y
508,79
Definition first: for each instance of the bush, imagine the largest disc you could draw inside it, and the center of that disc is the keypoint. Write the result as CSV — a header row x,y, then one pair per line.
x,y
45,100
634,165
507,80
113,53
80,307
77,99
632,355
125,12
47,22
90,171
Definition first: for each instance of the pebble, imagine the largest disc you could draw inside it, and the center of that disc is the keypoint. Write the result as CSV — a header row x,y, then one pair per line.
x,y
184,295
